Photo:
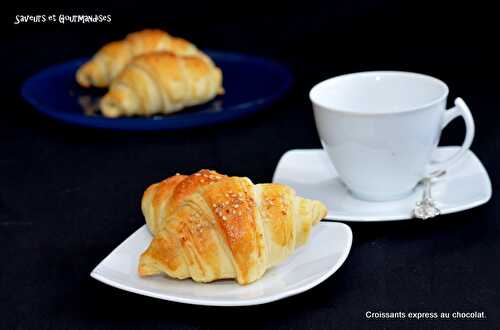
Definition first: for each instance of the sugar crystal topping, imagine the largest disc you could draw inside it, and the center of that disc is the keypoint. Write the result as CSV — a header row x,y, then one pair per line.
x,y
230,207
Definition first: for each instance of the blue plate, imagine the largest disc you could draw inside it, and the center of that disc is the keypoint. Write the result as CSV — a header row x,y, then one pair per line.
x,y
251,84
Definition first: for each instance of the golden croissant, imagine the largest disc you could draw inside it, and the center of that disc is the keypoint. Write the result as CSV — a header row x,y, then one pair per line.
x,y
108,62
209,226
161,83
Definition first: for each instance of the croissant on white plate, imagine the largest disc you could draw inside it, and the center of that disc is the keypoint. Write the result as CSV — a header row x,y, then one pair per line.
x,y
161,83
108,62
209,226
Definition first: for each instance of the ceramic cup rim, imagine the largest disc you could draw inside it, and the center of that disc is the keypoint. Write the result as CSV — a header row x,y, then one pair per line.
x,y
313,94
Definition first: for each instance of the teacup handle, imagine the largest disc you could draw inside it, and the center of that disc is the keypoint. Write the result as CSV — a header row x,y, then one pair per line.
x,y
460,109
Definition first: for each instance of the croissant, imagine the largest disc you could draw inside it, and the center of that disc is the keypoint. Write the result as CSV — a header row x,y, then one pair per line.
x,y
114,56
209,226
161,83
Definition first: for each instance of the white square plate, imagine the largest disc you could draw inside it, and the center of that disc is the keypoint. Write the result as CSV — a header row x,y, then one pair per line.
x,y
310,265
310,173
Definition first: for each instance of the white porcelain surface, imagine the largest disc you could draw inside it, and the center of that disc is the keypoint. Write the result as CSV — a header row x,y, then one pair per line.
x,y
380,129
310,265
310,173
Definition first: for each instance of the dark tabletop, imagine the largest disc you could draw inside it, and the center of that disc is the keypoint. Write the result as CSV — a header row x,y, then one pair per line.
x,y
69,195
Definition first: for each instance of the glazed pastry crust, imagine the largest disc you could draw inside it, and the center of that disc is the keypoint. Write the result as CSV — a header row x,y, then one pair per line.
x,y
161,83
209,226
108,62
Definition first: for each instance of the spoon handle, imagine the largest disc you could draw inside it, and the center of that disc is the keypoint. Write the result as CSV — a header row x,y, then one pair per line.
x,y
427,190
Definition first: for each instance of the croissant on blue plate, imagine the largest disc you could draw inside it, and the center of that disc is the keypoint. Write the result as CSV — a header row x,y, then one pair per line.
x,y
110,60
161,83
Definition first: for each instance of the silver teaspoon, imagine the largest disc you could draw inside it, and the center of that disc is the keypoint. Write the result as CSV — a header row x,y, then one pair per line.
x,y
425,208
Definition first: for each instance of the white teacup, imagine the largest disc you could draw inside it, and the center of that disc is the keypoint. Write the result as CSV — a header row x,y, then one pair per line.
x,y
380,129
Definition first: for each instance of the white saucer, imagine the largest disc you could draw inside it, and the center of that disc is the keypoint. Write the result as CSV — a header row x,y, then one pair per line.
x,y
310,265
310,173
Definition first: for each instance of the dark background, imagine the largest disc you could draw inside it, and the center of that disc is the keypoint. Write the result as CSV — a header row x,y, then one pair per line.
x,y
69,195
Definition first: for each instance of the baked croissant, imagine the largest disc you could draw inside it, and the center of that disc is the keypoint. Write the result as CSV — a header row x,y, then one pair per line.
x,y
161,83
209,226
114,56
